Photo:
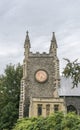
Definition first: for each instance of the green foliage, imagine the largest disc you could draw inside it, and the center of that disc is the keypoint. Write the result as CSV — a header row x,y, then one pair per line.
x,y
56,121
9,96
72,70
71,122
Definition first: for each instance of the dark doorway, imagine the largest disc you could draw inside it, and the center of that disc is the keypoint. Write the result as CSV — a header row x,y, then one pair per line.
x,y
71,108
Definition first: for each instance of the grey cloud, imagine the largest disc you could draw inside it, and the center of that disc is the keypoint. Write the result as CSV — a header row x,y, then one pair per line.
x,y
41,18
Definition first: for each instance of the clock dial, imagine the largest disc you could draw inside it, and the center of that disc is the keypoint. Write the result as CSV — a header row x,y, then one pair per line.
x,y
41,76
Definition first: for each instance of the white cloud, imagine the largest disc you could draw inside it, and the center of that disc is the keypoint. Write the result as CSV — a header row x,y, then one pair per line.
x,y
41,18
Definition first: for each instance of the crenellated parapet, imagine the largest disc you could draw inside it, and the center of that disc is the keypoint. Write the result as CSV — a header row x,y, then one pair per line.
x,y
38,54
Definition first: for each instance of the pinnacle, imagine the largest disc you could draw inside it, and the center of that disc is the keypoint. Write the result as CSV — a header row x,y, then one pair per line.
x,y
27,36
53,37
27,40
53,41
27,32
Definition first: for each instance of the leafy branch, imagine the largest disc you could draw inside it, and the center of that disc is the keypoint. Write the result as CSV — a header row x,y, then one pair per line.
x,y
72,70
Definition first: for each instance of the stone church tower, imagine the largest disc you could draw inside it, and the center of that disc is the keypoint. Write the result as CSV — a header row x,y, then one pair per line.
x,y
40,82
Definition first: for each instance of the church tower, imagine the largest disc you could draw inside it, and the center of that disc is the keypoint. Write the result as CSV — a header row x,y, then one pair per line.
x,y
40,82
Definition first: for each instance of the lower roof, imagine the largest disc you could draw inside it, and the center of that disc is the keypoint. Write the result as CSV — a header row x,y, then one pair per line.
x,y
66,88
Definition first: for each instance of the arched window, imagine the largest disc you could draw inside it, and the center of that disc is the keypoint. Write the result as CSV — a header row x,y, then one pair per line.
x,y
71,108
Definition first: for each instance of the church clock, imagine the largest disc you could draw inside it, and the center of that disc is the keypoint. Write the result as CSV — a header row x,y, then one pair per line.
x,y
41,76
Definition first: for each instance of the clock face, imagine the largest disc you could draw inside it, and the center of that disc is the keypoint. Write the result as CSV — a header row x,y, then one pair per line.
x,y
41,76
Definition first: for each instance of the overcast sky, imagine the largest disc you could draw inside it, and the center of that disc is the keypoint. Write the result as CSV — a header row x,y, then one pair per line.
x,y
40,18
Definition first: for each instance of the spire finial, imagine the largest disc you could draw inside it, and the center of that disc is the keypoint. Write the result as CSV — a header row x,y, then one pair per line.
x,y
53,41
53,37
27,36
27,40
27,32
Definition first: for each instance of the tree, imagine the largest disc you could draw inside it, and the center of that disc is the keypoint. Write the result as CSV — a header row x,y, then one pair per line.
x,y
9,96
72,70
71,121
55,121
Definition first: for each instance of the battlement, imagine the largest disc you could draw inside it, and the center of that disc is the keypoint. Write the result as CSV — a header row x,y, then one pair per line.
x,y
38,54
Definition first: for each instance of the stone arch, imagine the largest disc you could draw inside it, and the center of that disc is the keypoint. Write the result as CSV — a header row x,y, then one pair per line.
x,y
71,108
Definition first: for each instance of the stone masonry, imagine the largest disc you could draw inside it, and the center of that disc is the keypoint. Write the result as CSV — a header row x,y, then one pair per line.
x,y
34,93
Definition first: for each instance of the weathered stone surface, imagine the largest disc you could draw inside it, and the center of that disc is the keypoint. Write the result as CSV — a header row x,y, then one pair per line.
x,y
33,62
